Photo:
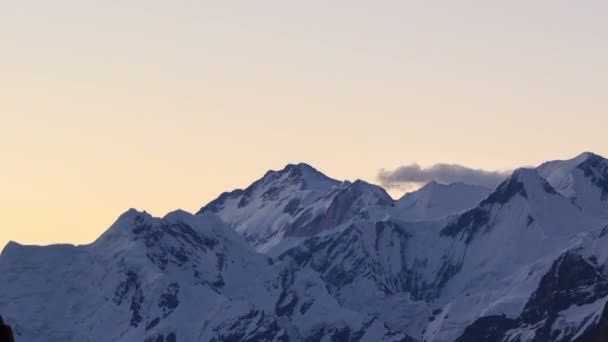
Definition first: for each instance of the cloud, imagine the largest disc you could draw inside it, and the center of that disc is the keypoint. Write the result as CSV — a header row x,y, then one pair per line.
x,y
405,176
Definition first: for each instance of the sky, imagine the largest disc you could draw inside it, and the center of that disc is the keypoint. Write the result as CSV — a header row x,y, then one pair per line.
x,y
159,105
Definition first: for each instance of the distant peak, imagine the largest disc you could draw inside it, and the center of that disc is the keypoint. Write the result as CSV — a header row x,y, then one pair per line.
x,y
178,215
299,169
569,164
561,174
360,187
361,184
120,232
302,172
301,166
9,248
522,182
587,156
525,175
133,213
436,186
428,187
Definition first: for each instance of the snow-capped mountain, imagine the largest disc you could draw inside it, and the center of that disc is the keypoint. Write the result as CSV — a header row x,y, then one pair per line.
x,y
499,251
295,202
263,211
180,278
583,180
298,256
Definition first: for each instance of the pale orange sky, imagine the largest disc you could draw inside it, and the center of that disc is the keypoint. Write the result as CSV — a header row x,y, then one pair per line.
x,y
159,105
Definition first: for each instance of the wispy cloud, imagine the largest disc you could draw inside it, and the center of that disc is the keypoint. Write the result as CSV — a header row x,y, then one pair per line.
x,y
405,176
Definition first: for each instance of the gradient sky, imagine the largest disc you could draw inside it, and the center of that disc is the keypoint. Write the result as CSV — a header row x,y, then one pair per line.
x,y
159,105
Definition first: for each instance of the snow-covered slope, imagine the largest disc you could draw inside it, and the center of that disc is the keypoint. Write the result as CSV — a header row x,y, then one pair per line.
x,y
180,278
295,202
584,180
262,211
568,303
499,250
435,200
298,256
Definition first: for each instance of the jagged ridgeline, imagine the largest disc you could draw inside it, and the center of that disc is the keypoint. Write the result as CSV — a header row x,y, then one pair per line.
x,y
298,256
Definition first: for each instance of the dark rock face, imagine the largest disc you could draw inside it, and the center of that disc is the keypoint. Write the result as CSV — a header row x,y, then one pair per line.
x,y
6,332
596,169
171,337
598,333
487,329
336,334
305,225
476,220
505,191
346,334
468,224
321,253
293,206
170,244
168,301
572,280
239,330
152,323
288,299
130,290
218,204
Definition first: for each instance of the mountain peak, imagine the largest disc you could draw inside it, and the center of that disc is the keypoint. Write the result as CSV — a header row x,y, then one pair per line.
x,y
306,172
178,215
578,177
10,247
130,216
586,156
522,182
592,160
435,200
301,176
569,164
361,186
436,186
263,210
362,183
120,233
565,166
302,173
525,175
296,168
299,166
432,185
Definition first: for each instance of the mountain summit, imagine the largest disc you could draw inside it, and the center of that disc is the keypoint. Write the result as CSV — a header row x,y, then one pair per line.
x,y
583,179
263,211
436,200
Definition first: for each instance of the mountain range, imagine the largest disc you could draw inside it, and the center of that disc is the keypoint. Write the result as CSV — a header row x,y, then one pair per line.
x,y
299,256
